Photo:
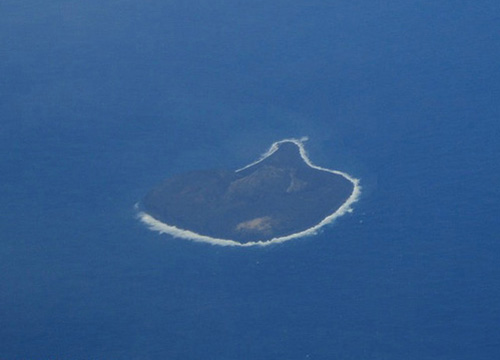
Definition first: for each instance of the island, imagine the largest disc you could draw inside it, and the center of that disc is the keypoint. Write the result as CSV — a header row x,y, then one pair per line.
x,y
279,197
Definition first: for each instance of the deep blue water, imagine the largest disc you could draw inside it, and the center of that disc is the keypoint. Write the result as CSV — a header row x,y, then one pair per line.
x,y
99,101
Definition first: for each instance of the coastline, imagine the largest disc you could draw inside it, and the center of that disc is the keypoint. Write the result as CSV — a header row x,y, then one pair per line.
x,y
156,225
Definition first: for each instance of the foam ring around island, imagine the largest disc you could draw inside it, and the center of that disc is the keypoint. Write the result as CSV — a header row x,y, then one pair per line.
x,y
162,228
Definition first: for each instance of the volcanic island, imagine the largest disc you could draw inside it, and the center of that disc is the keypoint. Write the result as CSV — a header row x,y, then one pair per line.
x,y
281,196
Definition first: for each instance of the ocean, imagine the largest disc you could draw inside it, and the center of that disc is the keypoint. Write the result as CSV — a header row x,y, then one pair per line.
x,y
100,101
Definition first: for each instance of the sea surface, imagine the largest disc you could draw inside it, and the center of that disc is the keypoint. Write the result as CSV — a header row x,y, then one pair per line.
x,y
102,100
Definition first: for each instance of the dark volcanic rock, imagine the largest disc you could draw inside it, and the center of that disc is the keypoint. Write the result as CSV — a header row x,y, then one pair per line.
x,y
278,196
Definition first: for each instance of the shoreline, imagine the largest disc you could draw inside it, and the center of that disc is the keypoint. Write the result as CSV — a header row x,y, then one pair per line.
x,y
156,225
